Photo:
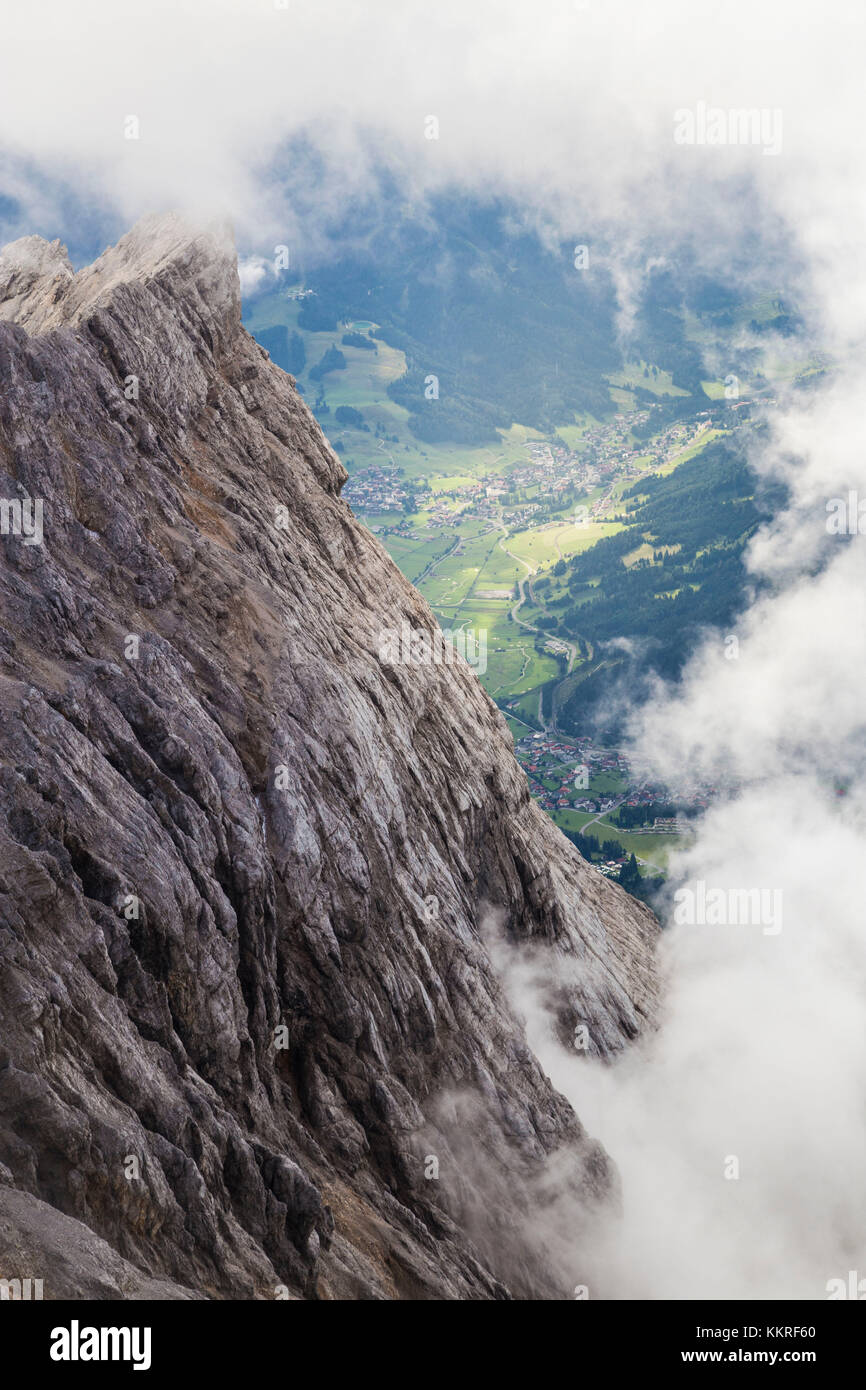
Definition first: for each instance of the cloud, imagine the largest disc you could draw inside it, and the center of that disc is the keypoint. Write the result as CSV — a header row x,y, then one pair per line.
x,y
761,1053
254,273
571,109
738,1126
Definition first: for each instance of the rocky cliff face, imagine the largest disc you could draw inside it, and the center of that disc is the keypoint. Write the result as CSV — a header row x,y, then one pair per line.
x,y
247,1009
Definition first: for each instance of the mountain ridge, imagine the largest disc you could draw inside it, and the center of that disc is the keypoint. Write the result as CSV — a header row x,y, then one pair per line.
x,y
308,839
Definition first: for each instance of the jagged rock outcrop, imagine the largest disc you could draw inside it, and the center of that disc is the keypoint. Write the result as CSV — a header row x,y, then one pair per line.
x,y
245,864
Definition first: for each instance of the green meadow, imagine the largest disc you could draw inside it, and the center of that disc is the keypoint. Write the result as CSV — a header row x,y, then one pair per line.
x,y
654,849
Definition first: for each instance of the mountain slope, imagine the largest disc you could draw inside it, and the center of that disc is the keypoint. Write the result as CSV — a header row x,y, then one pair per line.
x,y
245,865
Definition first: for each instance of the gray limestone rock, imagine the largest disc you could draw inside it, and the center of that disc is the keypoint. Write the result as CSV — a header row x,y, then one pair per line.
x,y
245,864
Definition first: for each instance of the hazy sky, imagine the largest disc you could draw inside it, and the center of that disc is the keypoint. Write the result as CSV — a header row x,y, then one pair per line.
x,y
569,102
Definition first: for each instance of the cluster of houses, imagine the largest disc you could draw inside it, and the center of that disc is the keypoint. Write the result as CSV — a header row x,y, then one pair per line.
x,y
604,454
573,763
611,867
552,467
605,445
555,468
375,490
480,499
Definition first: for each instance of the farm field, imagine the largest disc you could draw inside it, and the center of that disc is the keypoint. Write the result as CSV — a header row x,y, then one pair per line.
x,y
514,668
544,545
661,384
654,849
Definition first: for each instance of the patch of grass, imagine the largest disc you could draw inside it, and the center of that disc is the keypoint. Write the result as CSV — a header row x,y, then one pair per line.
x,y
545,545
633,375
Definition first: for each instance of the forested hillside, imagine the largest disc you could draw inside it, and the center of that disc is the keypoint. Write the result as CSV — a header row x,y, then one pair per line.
x,y
639,599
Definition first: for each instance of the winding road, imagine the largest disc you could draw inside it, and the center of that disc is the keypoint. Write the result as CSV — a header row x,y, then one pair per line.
x,y
521,586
